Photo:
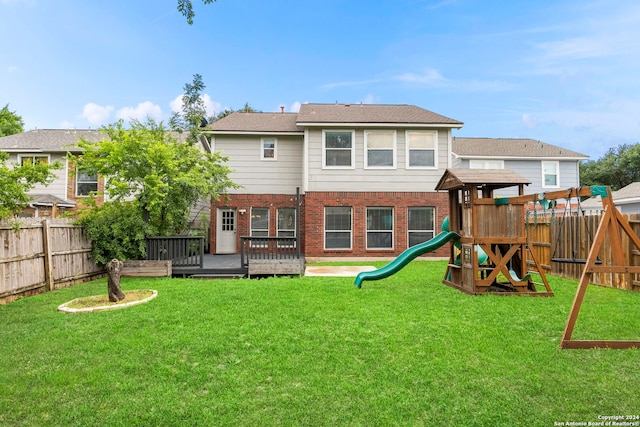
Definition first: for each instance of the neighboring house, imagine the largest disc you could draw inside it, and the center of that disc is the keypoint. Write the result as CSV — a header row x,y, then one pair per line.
x,y
548,167
367,175
626,199
49,145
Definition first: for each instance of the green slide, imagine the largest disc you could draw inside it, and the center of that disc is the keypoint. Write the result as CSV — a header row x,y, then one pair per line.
x,y
407,256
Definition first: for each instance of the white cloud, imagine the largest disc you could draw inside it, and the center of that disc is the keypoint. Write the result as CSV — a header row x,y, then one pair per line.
x,y
428,77
370,99
13,69
529,121
295,107
212,107
142,111
97,114
66,125
350,83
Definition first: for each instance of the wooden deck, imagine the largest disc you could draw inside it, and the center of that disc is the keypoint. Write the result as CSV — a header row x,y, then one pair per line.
x,y
214,266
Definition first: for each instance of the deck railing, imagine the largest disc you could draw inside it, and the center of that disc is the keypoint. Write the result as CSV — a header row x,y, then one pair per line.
x,y
253,247
183,251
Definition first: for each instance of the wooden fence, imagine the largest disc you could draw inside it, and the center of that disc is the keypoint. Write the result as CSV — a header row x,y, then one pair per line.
x,y
43,255
561,244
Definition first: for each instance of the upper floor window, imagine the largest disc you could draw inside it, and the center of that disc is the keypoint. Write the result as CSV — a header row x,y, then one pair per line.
x,y
551,174
337,227
422,149
268,148
86,183
380,228
338,149
486,164
32,160
380,148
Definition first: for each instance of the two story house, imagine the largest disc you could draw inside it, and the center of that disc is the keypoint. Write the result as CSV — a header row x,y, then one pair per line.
x,y
70,186
367,175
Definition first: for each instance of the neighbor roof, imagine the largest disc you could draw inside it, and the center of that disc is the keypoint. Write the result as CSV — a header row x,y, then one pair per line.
x,y
625,195
510,147
48,140
494,178
242,122
371,114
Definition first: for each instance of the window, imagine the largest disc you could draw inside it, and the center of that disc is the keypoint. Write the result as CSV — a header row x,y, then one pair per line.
x,y
379,228
259,225
268,149
486,164
421,149
420,224
85,183
550,174
337,227
31,160
286,225
380,148
338,149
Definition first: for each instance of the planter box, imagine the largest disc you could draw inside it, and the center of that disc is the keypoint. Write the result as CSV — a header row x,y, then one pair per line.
x,y
146,269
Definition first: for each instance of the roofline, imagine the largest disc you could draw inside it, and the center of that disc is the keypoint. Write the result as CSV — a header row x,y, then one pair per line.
x,y
364,125
40,150
472,157
242,132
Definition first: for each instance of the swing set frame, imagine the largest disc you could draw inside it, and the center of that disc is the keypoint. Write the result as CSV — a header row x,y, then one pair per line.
x,y
612,224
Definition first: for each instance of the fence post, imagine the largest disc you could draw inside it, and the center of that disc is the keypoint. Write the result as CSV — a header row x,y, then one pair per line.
x,y
48,256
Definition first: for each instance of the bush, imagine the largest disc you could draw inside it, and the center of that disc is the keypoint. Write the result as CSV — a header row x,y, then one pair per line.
x,y
117,230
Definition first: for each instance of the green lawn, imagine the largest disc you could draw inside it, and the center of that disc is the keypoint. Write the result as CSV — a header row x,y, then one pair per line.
x,y
316,351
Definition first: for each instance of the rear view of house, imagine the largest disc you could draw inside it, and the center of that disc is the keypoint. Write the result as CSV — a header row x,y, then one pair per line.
x,y
366,175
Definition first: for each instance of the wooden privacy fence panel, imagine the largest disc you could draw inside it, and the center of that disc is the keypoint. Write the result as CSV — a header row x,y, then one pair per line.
x,y
569,238
43,255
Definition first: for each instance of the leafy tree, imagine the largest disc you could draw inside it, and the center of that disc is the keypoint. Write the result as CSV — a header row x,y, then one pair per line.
x,y
185,7
117,230
10,122
192,117
246,109
164,176
16,181
618,167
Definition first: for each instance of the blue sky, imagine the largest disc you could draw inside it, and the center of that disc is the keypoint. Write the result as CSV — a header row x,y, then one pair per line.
x,y
563,72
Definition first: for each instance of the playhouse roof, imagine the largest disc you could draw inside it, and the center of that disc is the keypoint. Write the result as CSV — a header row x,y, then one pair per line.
x,y
453,179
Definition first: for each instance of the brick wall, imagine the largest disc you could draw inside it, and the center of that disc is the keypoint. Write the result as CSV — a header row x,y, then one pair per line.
x,y
315,203
71,188
243,220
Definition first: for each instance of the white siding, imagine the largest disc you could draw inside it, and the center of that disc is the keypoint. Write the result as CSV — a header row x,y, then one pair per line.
x,y
257,176
58,187
360,179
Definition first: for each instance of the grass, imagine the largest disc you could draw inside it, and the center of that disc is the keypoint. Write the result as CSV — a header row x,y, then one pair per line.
x,y
316,351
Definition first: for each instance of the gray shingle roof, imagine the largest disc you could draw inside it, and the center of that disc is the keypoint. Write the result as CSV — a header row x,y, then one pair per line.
x,y
510,147
371,113
257,122
628,194
48,140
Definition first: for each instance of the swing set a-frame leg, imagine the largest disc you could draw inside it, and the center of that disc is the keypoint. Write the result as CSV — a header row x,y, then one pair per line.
x,y
611,221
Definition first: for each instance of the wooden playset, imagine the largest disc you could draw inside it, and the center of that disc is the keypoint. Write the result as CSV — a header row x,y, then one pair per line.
x,y
493,255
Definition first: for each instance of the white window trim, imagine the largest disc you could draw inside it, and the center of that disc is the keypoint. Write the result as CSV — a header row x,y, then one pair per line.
x,y
324,236
557,163
275,149
34,155
324,149
484,162
77,182
366,149
392,231
251,229
435,149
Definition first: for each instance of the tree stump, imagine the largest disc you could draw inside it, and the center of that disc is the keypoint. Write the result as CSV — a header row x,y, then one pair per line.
x,y
114,267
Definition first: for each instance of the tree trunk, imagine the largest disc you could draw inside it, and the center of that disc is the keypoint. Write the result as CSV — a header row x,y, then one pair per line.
x,y
114,267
